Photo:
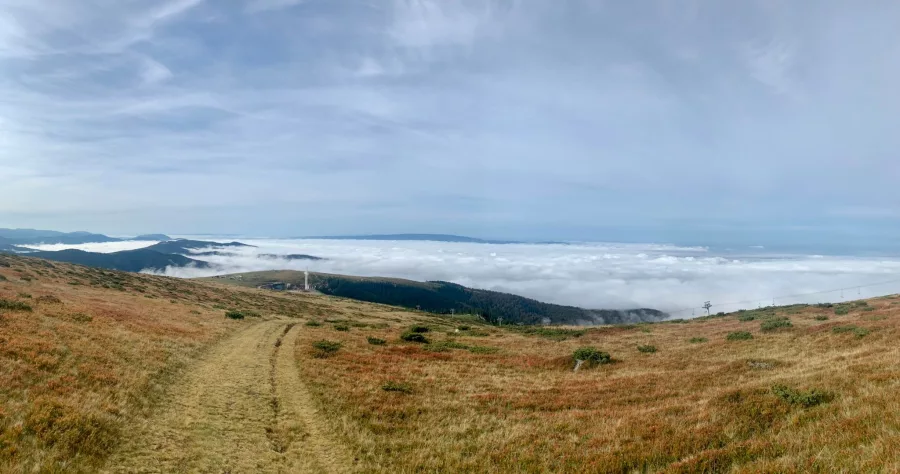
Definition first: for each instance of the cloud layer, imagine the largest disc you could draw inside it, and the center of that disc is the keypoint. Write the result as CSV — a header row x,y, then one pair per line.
x,y
500,118
602,276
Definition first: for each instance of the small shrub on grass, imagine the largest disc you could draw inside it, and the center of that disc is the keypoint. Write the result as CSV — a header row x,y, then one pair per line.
x,y
697,340
418,328
376,341
81,318
464,328
592,356
739,336
399,387
821,317
341,327
325,348
869,308
857,331
11,305
746,317
410,336
841,310
647,349
3,278
313,324
806,399
48,299
234,315
775,324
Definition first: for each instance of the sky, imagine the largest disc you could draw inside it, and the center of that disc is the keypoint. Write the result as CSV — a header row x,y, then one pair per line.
x,y
753,122
670,278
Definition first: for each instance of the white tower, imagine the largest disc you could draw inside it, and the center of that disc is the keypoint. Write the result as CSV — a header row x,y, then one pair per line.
x,y
306,280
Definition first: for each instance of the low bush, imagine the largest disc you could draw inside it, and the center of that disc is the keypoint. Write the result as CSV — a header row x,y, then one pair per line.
x,y
400,387
48,299
411,336
11,305
697,340
841,310
234,315
313,324
775,324
341,327
806,399
418,328
592,356
821,317
746,317
647,349
464,328
857,331
325,348
376,341
739,336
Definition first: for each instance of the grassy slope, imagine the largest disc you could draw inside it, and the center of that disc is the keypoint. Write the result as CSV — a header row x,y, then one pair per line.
x,y
689,407
71,385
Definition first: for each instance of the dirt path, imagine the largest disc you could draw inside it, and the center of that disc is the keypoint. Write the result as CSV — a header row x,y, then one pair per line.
x,y
242,408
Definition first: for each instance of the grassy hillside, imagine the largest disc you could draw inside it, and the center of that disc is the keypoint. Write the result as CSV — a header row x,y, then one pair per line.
x,y
444,297
86,355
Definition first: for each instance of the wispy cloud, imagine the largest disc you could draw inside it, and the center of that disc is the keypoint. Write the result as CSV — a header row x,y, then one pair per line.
x,y
542,118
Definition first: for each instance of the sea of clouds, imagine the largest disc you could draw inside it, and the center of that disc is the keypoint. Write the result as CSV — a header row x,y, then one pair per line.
x,y
591,275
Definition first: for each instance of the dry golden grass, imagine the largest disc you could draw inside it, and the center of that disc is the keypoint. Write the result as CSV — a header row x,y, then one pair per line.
x,y
689,407
100,351
93,353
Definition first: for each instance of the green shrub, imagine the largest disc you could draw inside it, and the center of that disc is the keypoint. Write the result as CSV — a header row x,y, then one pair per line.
x,y
397,387
592,356
313,324
775,324
325,348
11,305
376,341
698,340
341,327
858,331
647,349
869,308
746,317
418,328
410,336
234,315
739,336
464,328
841,310
821,317
806,399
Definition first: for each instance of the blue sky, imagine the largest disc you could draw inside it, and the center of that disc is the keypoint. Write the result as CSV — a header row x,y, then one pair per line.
x,y
752,121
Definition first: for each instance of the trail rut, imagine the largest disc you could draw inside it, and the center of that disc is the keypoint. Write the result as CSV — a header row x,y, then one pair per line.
x,y
242,408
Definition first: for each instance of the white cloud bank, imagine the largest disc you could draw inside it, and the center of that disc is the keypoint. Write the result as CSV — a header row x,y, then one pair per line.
x,y
591,275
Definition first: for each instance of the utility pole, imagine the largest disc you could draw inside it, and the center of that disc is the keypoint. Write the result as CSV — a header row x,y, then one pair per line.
x,y
706,306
